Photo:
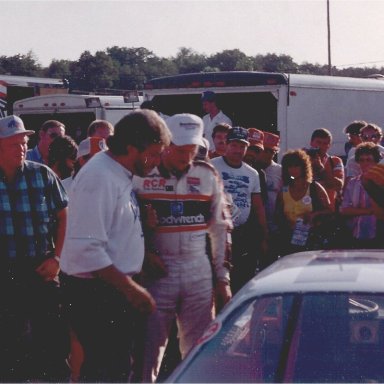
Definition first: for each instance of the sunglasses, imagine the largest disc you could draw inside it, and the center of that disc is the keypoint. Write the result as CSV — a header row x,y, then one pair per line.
x,y
368,137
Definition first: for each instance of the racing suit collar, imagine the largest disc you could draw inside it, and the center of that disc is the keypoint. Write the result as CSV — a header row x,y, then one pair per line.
x,y
166,173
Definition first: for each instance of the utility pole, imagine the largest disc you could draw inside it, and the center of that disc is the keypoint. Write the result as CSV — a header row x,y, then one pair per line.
x,y
329,41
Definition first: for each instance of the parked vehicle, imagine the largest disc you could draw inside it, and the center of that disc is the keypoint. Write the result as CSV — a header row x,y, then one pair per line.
x,y
310,317
14,88
75,111
291,105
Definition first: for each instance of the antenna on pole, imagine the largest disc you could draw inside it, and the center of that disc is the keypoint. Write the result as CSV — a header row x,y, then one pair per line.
x,y
329,41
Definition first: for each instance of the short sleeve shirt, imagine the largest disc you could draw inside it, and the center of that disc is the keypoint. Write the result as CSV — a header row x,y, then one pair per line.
x,y
240,183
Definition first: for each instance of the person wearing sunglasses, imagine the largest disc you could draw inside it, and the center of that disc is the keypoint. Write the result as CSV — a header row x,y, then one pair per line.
x,y
369,133
47,133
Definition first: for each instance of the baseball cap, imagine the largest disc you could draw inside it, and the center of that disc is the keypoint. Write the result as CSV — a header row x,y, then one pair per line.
x,y
12,125
208,96
186,129
255,137
239,134
90,146
271,141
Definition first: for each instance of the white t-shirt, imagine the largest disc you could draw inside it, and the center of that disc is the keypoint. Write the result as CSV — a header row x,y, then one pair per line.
x,y
241,183
67,183
103,226
209,124
274,180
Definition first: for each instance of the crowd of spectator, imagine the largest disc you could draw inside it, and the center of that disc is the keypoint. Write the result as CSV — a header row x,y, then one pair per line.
x,y
150,226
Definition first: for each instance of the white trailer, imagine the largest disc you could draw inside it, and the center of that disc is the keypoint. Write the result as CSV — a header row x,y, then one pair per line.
x,y
291,105
75,111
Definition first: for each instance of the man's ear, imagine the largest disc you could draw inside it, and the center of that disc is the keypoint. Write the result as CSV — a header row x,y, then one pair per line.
x,y
132,150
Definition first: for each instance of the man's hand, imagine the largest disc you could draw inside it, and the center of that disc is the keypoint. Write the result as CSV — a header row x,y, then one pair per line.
x,y
48,269
150,217
139,297
222,294
153,266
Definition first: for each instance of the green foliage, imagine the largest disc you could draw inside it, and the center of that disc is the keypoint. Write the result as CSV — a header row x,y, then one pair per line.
x,y
189,61
58,69
20,65
91,72
230,60
129,68
274,63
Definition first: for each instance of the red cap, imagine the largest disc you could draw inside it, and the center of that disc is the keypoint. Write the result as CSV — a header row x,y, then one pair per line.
x,y
255,137
271,141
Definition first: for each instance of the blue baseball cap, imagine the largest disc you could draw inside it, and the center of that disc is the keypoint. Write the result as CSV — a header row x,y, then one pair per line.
x,y
239,134
208,96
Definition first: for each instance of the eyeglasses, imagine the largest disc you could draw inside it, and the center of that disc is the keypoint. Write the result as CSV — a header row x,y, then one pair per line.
x,y
368,137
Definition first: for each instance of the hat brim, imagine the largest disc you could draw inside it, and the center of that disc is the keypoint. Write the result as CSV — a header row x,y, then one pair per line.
x,y
242,140
25,132
258,145
180,141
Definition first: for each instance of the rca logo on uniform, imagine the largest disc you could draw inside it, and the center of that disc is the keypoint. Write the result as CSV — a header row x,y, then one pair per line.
x,y
154,184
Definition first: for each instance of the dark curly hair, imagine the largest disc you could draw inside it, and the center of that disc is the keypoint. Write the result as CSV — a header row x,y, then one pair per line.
x,y
296,157
368,148
61,149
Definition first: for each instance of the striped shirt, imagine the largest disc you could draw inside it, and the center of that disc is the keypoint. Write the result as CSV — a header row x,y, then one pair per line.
x,y
364,226
28,208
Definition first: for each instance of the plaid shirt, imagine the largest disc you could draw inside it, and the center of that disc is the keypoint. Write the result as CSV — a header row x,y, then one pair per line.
x,y
28,210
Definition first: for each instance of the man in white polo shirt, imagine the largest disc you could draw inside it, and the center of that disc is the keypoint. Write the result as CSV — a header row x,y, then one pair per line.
x,y
214,115
104,247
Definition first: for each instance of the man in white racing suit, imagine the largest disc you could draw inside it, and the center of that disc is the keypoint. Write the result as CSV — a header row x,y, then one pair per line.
x,y
189,202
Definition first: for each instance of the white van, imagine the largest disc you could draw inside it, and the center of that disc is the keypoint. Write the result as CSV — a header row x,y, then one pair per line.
x,y
75,111
291,105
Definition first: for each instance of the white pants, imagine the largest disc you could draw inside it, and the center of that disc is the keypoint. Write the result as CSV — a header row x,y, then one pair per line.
x,y
185,294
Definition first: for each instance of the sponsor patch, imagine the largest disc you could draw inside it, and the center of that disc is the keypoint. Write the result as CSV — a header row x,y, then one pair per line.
x,y
154,184
193,180
177,208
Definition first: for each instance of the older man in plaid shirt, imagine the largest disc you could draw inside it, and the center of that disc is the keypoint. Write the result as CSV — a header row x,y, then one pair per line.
x,y
33,343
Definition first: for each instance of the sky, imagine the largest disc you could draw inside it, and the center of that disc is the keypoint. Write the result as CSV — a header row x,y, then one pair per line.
x,y
298,28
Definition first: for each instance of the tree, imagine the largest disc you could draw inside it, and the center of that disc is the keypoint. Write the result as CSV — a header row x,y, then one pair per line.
x,y
21,65
189,61
133,65
129,56
230,60
275,63
313,69
59,69
90,72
